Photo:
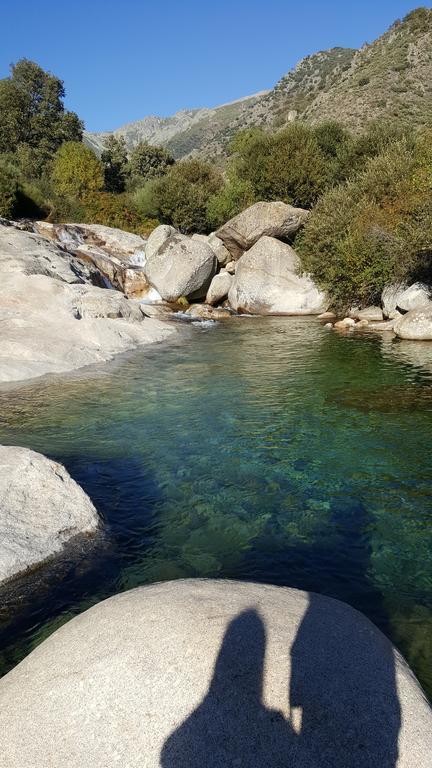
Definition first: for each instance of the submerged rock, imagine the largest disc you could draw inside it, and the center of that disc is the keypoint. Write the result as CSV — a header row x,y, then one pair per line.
x,y
41,510
181,267
273,219
267,282
389,399
199,673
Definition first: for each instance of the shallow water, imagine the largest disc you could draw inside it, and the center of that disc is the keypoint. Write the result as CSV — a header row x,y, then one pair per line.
x,y
265,449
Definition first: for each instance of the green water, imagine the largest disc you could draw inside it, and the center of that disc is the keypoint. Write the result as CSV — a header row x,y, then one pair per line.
x,y
271,450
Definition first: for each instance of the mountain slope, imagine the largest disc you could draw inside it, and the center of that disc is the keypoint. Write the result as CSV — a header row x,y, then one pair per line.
x,y
391,78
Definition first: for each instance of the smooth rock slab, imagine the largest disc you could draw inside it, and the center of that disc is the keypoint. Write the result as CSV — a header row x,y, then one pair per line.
x,y
41,510
214,674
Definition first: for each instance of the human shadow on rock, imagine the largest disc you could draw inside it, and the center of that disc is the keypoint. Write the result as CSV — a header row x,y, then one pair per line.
x,y
342,686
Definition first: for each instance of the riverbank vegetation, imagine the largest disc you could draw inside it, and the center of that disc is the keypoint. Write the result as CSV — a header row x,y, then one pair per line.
x,y
370,195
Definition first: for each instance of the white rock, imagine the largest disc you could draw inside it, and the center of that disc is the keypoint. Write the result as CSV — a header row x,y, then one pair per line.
x,y
41,510
181,267
373,314
219,288
268,282
197,674
404,297
41,288
416,324
274,219
157,238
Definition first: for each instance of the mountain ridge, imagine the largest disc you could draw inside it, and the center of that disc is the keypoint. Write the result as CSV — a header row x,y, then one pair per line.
x,y
389,78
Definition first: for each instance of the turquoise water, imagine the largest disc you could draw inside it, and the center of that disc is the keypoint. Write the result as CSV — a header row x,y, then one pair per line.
x,y
263,449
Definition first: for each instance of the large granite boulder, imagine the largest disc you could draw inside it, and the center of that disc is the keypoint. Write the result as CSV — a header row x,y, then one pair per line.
x,y
157,238
53,319
400,297
219,288
41,510
268,282
416,324
181,267
273,219
199,673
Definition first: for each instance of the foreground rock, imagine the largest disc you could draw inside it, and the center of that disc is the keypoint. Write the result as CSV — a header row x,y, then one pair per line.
x,y
181,267
53,319
267,282
416,324
201,673
157,238
41,510
273,219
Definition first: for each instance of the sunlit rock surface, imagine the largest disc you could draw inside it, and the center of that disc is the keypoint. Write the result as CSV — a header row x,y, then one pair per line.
x,y
200,673
41,509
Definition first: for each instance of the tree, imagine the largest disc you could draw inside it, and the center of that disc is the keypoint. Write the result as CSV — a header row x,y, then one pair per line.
x,y
148,162
77,172
32,113
182,195
115,163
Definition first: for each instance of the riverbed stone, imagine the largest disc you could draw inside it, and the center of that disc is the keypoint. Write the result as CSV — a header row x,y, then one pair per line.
x,y
219,288
268,281
372,314
416,324
275,219
181,267
115,242
199,673
41,510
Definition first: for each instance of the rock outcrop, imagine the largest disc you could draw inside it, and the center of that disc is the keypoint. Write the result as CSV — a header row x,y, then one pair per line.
x,y
200,673
53,319
41,510
416,324
115,242
274,219
181,267
372,314
267,281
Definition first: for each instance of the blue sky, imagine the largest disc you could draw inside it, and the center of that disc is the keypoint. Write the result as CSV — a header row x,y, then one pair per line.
x,y
123,60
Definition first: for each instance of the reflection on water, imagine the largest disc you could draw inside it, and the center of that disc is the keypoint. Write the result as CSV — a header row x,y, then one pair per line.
x,y
269,450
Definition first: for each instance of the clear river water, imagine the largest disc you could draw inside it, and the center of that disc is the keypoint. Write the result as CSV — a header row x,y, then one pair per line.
x,y
266,449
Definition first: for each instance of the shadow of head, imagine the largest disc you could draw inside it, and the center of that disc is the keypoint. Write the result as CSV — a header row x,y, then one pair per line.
x,y
342,687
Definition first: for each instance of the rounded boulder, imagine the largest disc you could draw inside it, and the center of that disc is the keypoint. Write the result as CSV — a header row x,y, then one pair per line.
x,y
200,673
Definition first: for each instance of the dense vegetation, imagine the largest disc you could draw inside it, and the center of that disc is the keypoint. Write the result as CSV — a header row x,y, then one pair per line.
x,y
370,194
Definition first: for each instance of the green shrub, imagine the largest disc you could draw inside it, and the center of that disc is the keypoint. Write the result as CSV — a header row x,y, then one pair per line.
x,y
374,229
115,164
234,197
288,165
77,172
181,196
8,190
